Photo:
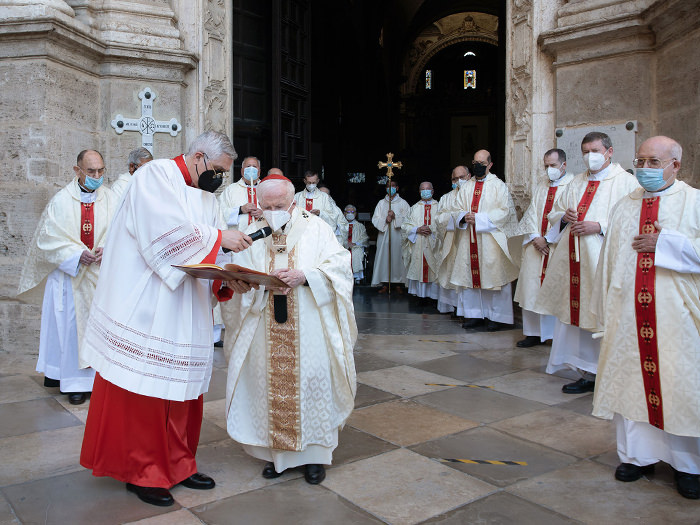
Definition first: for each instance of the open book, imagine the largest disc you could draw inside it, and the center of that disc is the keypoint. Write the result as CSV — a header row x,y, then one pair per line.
x,y
231,272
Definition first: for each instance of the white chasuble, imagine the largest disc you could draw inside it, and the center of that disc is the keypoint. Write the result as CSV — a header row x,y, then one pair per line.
x,y
232,198
420,252
448,246
533,264
318,200
356,233
56,241
291,384
150,326
389,241
555,297
622,373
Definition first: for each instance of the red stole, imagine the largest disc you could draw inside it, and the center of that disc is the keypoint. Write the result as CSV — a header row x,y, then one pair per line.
x,y
645,313
574,265
473,245
349,242
427,220
252,199
87,224
547,208
309,204
180,161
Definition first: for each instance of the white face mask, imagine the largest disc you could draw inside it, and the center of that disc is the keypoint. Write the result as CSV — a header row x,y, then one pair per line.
x,y
350,216
594,160
277,218
310,188
462,182
554,173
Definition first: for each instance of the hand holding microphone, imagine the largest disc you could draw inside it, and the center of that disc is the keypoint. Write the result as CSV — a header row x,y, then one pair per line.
x,y
235,241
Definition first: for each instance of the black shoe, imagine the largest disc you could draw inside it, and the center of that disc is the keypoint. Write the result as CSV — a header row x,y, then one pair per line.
x,y
492,326
314,474
269,471
471,323
687,485
77,398
629,472
219,344
579,387
51,383
199,482
153,495
530,340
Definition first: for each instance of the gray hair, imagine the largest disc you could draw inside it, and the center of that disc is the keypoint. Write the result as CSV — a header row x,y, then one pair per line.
x,y
139,154
213,144
268,185
350,206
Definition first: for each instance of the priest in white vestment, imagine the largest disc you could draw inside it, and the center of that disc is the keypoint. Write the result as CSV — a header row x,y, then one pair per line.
x,y
239,201
484,267
137,158
354,238
63,265
319,203
533,226
291,375
647,299
420,245
149,335
448,242
388,218
578,223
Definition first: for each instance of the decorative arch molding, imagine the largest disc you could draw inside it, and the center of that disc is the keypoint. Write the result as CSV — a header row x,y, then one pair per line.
x,y
448,31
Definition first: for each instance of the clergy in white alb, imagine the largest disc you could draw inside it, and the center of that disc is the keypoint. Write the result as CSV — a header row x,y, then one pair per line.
x,y
578,222
484,267
448,242
388,218
355,239
63,264
647,300
291,374
319,203
137,158
149,335
420,246
533,226
239,200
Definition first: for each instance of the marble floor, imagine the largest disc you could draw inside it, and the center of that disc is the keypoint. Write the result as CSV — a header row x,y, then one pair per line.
x,y
429,393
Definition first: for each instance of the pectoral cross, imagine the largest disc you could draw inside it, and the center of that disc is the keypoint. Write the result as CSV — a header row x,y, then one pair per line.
x,y
147,125
389,165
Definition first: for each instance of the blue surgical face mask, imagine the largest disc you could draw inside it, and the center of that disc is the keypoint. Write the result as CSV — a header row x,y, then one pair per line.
x,y
651,179
250,173
454,185
92,184
426,194
391,191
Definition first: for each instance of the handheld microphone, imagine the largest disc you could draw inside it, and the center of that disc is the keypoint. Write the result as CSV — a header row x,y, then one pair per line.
x,y
260,234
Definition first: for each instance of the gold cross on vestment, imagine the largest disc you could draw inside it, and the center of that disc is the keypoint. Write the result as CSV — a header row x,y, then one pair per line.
x,y
389,164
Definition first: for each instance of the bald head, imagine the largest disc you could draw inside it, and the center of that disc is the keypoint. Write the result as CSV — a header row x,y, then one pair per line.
x,y
89,164
481,158
275,171
660,152
459,173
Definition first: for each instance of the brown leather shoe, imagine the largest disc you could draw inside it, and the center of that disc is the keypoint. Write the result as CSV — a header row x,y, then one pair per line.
x,y
383,289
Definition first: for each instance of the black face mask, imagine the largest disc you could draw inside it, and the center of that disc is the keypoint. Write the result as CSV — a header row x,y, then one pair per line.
x,y
209,180
478,170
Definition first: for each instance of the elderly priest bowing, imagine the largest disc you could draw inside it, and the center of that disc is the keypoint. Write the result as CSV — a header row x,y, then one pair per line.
x,y
291,375
149,335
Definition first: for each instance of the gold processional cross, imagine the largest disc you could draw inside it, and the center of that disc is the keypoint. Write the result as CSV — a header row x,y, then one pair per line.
x,y
389,165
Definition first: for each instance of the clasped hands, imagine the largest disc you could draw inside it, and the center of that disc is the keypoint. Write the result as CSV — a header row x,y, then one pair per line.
x,y
423,230
251,209
390,216
540,244
580,227
469,218
87,257
646,242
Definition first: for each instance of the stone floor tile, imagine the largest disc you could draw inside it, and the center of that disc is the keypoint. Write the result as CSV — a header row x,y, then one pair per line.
x,y
211,433
479,404
39,455
366,362
535,386
407,349
176,517
367,395
78,499
26,417
406,423
487,340
7,515
609,458
406,326
488,444
292,502
581,404
465,368
15,388
409,355
217,385
220,360
589,493
215,412
402,487
79,411
501,509
518,358
405,381
354,445
233,470
572,433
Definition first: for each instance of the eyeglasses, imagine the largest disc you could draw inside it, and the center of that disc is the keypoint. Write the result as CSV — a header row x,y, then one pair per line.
x,y
653,162
92,172
218,174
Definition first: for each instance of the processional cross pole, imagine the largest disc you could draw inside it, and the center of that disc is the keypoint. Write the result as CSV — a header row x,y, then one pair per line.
x,y
389,165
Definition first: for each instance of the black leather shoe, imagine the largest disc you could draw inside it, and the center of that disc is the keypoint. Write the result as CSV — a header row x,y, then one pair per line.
x,y
492,326
629,472
470,323
199,482
530,340
315,474
153,495
219,344
269,471
51,383
579,387
687,485
77,398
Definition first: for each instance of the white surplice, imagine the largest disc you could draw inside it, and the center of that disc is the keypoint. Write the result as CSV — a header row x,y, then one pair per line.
x,y
360,239
385,245
150,326
52,268
420,252
448,246
118,187
310,365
